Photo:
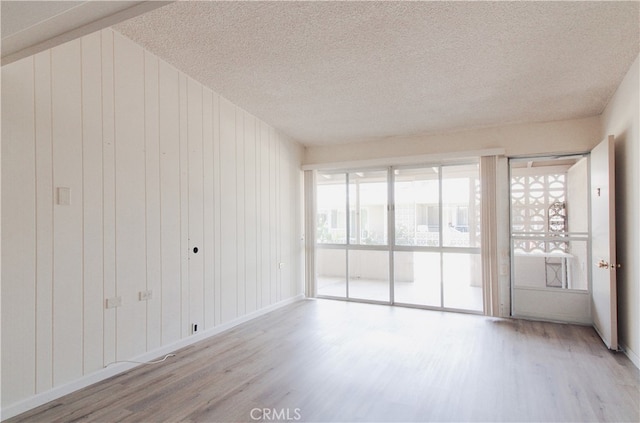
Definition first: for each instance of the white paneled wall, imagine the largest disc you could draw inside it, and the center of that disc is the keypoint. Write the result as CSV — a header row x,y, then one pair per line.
x,y
156,165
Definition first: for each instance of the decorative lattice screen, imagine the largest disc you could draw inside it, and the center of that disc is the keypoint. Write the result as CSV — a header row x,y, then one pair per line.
x,y
531,198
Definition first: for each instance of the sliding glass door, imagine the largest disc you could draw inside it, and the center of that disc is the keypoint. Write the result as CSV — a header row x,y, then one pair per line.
x,y
352,236
417,258
437,237
368,247
408,235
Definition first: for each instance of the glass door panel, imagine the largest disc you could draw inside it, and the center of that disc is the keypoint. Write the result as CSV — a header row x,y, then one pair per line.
x,y
369,275
368,208
331,204
437,211
331,272
462,281
461,206
417,278
352,211
417,207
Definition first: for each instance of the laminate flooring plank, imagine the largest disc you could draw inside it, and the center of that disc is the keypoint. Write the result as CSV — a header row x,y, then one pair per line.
x,y
334,361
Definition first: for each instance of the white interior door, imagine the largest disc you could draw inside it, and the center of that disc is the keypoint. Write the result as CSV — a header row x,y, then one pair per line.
x,y
603,245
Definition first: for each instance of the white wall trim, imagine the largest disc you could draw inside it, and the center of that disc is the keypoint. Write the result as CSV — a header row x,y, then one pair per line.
x,y
30,40
107,372
406,160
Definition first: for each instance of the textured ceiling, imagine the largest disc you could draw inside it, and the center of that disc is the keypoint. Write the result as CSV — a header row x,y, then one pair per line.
x,y
331,72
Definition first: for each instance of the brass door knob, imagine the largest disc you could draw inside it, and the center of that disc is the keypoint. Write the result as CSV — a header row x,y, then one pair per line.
x,y
604,265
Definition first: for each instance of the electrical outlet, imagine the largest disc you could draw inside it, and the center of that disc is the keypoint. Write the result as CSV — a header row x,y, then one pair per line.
x,y
194,328
114,302
281,265
145,295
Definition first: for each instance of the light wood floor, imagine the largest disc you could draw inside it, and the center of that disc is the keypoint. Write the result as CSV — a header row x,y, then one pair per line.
x,y
328,360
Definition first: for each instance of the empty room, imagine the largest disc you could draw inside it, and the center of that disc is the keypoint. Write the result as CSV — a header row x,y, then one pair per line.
x,y
331,211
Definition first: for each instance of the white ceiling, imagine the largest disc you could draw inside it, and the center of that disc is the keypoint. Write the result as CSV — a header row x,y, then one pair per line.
x,y
331,72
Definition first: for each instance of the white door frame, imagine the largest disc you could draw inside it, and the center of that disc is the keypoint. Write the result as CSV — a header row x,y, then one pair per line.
x,y
542,303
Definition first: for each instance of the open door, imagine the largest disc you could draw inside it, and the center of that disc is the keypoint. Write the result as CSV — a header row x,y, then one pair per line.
x,y
603,243
550,238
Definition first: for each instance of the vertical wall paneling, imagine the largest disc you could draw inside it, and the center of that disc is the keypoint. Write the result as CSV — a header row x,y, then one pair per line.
x,y
109,196
208,245
217,227
196,202
228,215
240,214
18,232
273,216
184,207
285,221
66,100
44,223
259,214
155,164
297,206
92,206
130,197
265,216
296,191
292,241
296,225
152,207
251,213
169,137
280,269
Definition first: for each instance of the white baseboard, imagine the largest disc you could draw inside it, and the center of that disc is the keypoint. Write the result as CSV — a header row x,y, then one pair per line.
x,y
632,355
100,375
552,318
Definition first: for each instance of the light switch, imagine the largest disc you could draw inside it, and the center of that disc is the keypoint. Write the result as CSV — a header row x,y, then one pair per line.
x,y
114,302
145,295
64,196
